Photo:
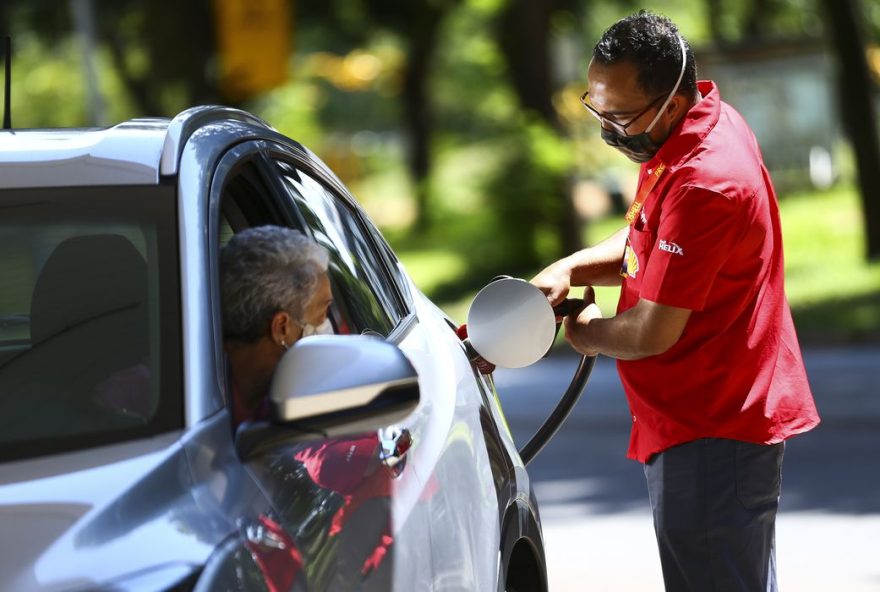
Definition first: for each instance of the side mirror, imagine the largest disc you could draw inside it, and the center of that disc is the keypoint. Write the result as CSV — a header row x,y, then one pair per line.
x,y
334,385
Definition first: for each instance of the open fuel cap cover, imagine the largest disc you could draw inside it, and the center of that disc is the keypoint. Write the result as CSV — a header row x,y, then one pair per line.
x,y
511,323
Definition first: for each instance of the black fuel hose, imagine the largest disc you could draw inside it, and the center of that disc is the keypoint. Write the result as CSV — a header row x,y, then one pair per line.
x,y
571,396
581,375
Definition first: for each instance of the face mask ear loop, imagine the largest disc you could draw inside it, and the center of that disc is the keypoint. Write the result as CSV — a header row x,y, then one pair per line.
x,y
674,89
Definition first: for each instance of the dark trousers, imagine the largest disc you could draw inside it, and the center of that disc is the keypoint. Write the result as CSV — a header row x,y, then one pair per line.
x,y
714,504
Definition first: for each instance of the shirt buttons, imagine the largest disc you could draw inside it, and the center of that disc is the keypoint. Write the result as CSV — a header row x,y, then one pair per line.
x,y
634,418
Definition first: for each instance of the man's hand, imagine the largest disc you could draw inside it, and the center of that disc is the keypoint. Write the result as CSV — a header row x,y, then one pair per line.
x,y
554,281
577,322
598,265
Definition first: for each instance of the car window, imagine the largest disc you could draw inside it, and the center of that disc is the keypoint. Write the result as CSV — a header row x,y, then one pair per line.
x,y
89,321
362,291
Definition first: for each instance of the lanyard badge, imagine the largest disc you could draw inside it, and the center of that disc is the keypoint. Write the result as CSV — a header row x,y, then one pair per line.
x,y
630,264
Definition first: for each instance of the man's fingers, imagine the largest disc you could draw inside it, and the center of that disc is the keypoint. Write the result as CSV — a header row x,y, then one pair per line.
x,y
556,295
554,287
571,320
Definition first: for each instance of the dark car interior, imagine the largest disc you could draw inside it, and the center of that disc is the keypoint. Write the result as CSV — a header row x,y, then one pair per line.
x,y
83,365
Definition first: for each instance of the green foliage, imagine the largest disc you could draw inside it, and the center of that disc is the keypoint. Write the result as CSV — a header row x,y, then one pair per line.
x,y
524,198
469,86
690,17
48,88
48,85
872,20
293,110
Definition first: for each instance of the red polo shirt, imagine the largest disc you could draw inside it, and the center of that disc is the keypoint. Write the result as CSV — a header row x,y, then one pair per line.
x,y
708,239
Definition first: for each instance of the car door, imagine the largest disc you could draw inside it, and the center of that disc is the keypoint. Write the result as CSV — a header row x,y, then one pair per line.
x,y
331,496
94,474
450,489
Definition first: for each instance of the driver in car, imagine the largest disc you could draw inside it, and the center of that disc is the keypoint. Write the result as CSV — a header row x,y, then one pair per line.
x,y
274,290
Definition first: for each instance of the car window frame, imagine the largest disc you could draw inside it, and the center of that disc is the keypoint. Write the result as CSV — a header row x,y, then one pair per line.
x,y
404,317
228,165
261,153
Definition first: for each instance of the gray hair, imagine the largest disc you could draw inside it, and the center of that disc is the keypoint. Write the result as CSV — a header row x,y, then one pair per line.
x,y
265,270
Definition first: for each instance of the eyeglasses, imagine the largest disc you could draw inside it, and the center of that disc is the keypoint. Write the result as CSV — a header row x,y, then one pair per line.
x,y
607,123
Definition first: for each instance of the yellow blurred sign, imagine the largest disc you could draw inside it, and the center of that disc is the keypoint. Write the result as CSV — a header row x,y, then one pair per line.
x,y
253,37
874,61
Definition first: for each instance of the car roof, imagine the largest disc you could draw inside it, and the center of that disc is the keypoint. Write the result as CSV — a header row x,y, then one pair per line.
x,y
125,154
137,152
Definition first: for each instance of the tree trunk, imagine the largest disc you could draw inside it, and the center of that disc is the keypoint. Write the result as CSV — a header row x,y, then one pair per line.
x,y
525,41
714,9
857,95
757,23
418,113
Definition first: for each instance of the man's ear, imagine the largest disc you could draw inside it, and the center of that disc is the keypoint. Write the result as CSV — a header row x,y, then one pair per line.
x,y
283,330
677,107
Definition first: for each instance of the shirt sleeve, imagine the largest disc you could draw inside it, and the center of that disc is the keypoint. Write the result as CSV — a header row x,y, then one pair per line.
x,y
698,231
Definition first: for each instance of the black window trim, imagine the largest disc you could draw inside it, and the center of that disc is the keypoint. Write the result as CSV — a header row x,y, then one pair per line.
x,y
230,162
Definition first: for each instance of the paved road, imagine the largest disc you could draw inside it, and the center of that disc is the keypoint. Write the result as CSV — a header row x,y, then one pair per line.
x,y
597,523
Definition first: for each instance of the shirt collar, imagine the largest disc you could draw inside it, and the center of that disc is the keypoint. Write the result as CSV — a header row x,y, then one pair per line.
x,y
692,129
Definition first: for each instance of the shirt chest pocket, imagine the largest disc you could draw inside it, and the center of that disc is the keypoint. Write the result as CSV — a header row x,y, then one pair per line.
x,y
639,244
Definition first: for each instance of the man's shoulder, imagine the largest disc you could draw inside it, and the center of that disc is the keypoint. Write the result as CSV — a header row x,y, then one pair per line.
x,y
727,162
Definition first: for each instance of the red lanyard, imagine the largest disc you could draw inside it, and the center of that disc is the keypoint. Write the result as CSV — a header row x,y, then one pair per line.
x,y
646,187
630,264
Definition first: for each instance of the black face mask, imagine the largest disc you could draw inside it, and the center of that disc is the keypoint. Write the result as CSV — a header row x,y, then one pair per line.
x,y
638,148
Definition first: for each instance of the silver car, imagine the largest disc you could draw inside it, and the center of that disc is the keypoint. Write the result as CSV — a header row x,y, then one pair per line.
x,y
119,465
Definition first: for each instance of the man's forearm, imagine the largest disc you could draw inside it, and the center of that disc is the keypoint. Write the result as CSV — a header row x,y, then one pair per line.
x,y
647,329
599,265
618,337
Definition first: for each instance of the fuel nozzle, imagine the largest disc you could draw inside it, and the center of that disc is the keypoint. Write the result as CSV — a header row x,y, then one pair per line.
x,y
567,306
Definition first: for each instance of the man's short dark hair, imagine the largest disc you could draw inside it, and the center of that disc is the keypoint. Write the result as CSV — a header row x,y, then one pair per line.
x,y
650,42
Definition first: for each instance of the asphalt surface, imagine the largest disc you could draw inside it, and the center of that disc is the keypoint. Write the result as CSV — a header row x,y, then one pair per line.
x,y
596,517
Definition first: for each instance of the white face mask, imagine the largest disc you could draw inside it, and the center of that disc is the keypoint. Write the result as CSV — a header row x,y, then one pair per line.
x,y
324,328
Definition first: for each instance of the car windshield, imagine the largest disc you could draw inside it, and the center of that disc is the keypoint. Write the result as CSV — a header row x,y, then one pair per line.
x,y
89,317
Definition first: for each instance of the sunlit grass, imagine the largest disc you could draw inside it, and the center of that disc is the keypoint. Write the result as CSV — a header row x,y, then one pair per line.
x,y
824,248
834,292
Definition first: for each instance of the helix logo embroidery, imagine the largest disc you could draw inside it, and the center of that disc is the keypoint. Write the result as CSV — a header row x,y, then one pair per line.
x,y
670,247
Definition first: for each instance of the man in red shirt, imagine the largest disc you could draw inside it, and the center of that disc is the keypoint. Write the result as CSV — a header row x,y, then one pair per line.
x,y
706,348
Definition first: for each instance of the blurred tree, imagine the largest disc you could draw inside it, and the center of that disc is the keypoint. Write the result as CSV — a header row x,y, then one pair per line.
x,y
165,62
417,25
846,23
759,18
524,34
529,201
420,27
714,10
857,99
732,21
